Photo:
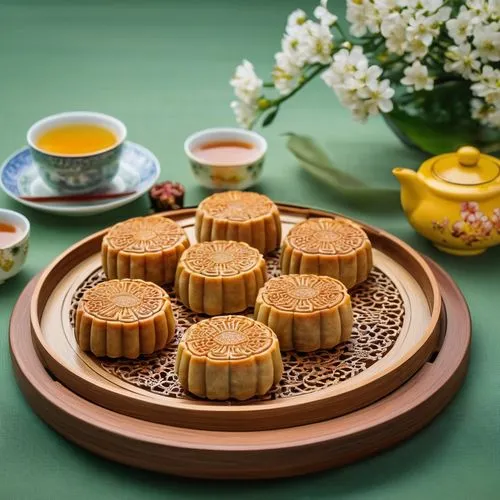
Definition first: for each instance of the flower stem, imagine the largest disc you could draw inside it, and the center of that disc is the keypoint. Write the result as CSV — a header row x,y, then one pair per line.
x,y
341,31
306,80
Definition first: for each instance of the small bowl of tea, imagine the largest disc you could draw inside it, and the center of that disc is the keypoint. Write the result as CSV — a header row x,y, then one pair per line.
x,y
14,236
77,152
226,158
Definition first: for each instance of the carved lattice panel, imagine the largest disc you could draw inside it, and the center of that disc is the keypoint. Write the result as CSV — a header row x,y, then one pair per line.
x,y
378,319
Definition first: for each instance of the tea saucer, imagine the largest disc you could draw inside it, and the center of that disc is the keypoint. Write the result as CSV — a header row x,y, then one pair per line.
x,y
139,169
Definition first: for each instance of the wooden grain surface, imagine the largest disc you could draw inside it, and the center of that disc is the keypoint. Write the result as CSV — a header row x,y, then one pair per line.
x,y
258,454
84,378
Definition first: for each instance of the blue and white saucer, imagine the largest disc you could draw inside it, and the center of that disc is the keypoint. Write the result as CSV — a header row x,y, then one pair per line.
x,y
139,169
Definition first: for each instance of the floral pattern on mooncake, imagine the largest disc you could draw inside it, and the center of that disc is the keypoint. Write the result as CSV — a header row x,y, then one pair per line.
x,y
220,258
228,337
326,236
145,234
303,292
237,205
124,300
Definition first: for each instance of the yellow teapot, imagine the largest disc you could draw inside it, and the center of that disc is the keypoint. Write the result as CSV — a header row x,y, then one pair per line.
x,y
454,200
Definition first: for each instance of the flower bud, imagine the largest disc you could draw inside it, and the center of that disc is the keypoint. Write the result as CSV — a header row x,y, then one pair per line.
x,y
263,103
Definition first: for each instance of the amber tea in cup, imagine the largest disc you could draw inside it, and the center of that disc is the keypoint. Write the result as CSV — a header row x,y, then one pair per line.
x,y
9,234
77,151
76,139
226,158
226,152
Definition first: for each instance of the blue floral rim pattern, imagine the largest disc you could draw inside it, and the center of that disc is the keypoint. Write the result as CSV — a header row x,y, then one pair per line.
x,y
133,154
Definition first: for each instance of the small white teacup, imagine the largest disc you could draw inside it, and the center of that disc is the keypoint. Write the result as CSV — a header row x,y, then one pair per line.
x,y
13,255
236,175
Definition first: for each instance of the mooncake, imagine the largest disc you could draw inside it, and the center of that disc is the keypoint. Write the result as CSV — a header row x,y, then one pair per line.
x,y
145,248
228,357
124,318
239,216
307,312
219,277
330,247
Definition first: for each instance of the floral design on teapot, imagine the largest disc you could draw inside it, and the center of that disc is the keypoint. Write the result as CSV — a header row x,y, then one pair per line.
x,y
473,226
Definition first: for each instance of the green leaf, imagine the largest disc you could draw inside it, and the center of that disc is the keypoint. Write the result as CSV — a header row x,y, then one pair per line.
x,y
353,190
270,117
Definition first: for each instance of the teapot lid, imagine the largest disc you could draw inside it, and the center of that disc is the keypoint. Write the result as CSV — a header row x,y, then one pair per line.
x,y
467,167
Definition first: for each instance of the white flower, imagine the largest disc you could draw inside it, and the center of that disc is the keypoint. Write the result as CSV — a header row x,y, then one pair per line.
x,y
425,6
393,28
290,45
494,117
461,27
296,19
479,8
417,77
362,16
323,15
286,73
378,96
316,43
351,100
245,113
416,50
248,89
479,110
462,60
487,41
488,85
345,64
357,84
362,78
247,85
442,15
360,111
386,6
486,114
423,28
493,9
431,5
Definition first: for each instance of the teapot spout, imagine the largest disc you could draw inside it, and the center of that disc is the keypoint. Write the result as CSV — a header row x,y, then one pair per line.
x,y
413,188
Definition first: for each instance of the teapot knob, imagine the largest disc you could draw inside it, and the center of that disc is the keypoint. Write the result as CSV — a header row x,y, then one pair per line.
x,y
468,156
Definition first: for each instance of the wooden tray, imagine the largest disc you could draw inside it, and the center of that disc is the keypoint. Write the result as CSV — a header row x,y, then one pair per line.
x,y
396,312
245,455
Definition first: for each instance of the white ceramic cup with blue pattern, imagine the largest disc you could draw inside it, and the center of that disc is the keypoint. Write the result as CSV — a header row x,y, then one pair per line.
x,y
77,173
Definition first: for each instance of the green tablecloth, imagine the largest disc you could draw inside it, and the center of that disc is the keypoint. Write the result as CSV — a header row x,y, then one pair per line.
x,y
163,68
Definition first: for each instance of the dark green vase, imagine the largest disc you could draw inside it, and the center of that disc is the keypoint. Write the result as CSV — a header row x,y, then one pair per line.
x,y
439,121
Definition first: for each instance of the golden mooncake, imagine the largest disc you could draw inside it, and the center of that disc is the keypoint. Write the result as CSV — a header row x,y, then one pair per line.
x,y
145,248
239,216
219,277
228,357
307,312
124,318
330,247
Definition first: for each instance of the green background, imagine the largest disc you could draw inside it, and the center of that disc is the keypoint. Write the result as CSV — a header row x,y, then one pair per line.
x,y
163,68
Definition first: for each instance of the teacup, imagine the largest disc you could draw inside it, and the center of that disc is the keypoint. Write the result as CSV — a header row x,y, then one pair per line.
x,y
77,173
13,255
239,174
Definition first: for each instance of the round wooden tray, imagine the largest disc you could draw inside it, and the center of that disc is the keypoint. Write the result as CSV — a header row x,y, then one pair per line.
x,y
396,327
245,455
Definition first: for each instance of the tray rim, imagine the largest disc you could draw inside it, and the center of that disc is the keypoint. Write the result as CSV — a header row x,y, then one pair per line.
x,y
204,454
211,415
